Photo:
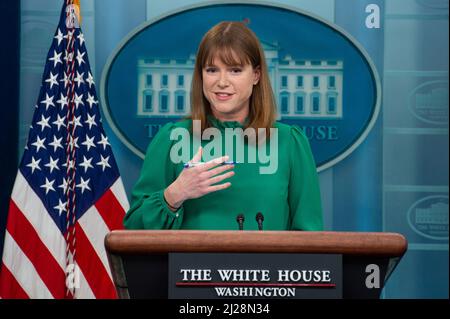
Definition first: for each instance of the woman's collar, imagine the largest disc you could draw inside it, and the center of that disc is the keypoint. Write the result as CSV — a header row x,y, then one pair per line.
x,y
225,124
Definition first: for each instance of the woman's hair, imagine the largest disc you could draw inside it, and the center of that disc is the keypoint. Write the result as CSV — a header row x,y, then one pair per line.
x,y
234,44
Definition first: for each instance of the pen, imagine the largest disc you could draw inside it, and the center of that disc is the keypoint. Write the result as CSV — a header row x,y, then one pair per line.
x,y
190,164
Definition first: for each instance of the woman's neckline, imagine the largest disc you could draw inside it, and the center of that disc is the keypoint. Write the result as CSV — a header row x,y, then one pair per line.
x,y
225,124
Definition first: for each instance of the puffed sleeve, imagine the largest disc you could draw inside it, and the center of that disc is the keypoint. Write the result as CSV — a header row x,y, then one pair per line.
x,y
304,192
148,208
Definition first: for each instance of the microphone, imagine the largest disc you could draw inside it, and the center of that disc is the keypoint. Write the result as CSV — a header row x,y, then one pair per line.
x,y
260,219
240,219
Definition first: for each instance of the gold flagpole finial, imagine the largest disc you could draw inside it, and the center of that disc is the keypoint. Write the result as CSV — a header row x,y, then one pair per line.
x,y
77,6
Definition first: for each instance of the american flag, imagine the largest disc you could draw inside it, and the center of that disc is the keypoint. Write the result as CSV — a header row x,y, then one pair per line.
x,y
68,193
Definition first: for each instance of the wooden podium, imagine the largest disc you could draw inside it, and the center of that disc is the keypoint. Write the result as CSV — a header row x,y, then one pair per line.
x,y
139,258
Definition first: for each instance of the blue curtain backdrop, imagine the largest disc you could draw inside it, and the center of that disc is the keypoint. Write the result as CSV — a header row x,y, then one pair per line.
x,y
9,97
396,180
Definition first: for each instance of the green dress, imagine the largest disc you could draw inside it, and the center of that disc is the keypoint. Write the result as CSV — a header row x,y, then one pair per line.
x,y
289,199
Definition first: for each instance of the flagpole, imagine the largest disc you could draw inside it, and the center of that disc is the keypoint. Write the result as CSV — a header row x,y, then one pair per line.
x,y
70,151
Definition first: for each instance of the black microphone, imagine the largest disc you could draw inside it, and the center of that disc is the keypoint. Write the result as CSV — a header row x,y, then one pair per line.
x,y
260,219
240,219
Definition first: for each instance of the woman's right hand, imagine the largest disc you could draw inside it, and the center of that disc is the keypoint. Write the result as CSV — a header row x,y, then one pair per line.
x,y
197,181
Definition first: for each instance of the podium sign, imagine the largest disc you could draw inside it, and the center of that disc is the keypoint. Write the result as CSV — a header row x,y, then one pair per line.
x,y
359,263
271,276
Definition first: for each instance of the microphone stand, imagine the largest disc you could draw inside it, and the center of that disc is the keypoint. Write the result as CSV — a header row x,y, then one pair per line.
x,y
240,219
259,220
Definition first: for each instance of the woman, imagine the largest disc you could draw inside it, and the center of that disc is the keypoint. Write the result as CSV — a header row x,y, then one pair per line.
x,y
230,91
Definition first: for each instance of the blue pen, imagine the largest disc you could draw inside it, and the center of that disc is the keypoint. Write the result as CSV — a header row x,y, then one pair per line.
x,y
190,164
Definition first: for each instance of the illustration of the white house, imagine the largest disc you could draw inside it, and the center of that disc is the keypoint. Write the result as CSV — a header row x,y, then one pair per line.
x,y
436,99
303,88
435,214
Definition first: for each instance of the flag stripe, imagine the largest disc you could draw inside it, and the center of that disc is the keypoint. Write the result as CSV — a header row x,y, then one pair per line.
x,y
119,191
84,291
93,268
10,286
29,242
95,229
25,275
35,212
111,211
